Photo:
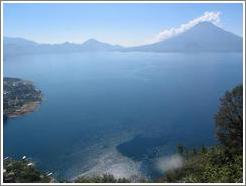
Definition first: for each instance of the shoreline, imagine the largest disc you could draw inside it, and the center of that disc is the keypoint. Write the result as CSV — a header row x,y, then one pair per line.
x,y
25,109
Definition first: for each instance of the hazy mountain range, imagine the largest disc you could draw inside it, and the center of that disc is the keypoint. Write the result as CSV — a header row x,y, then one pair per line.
x,y
203,37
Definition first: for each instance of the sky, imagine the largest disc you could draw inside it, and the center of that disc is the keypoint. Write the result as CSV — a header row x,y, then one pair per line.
x,y
127,24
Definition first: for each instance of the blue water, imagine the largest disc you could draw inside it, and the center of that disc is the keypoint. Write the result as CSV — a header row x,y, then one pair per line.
x,y
96,103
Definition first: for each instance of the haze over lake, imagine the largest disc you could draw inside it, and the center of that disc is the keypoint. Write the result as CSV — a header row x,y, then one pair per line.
x,y
97,105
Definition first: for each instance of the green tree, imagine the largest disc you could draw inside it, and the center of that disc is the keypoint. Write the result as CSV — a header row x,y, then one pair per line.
x,y
222,163
229,120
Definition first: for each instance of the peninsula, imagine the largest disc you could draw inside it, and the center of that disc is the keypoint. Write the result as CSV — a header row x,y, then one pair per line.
x,y
19,97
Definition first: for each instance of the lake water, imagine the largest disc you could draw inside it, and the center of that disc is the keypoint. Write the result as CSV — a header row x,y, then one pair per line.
x,y
117,112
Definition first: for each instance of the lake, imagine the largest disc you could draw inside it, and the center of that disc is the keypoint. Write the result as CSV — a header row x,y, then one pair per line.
x,y
117,112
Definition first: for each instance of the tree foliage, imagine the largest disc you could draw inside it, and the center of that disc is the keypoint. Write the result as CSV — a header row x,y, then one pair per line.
x,y
222,163
105,178
211,166
229,120
23,171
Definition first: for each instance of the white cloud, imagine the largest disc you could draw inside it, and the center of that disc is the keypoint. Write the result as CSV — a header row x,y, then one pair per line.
x,y
213,17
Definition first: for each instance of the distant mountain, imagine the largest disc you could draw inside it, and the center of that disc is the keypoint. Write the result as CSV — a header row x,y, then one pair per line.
x,y
18,41
94,45
203,37
17,46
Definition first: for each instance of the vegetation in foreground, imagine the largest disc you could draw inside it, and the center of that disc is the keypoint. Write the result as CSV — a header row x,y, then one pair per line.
x,y
222,163
105,178
23,171
213,165
218,164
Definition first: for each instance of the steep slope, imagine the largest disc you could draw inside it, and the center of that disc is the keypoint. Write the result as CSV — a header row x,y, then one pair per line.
x,y
203,37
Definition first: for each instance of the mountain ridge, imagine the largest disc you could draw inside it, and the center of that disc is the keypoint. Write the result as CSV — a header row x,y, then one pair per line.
x,y
203,37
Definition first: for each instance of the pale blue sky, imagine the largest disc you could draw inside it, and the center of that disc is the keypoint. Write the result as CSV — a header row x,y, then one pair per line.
x,y
124,24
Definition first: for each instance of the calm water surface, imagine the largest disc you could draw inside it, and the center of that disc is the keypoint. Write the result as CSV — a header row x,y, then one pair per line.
x,y
117,112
